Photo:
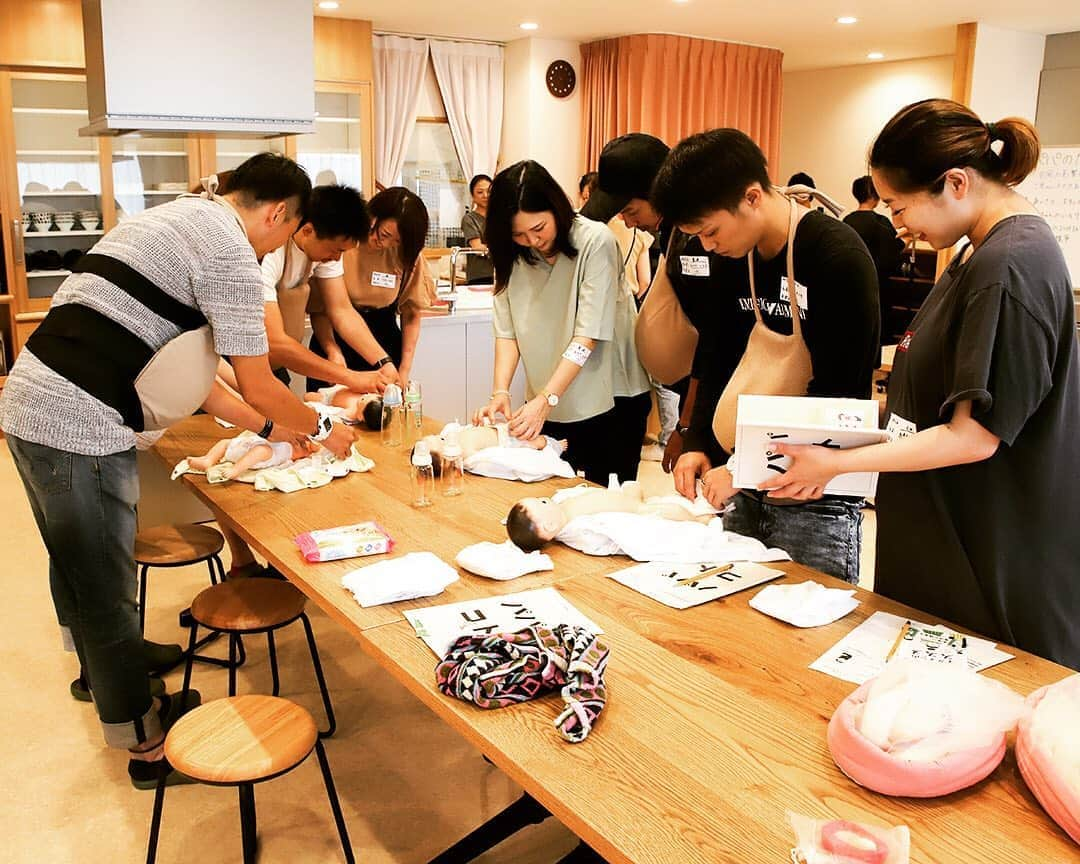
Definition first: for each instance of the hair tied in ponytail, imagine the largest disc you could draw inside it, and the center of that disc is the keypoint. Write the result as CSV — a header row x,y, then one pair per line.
x,y
995,144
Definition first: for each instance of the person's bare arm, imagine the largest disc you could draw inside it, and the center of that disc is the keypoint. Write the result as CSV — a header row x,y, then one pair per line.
x,y
410,338
644,273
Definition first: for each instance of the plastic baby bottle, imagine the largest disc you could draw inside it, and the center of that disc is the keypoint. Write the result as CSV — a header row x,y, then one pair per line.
x,y
414,414
391,416
423,476
453,467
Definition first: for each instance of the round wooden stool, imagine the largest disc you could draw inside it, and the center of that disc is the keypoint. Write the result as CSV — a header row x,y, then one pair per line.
x,y
241,741
242,607
177,546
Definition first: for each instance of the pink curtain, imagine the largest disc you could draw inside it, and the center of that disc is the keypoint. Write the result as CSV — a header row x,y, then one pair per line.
x,y
674,86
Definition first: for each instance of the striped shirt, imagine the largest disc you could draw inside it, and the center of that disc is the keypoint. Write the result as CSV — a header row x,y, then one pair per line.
x,y
196,252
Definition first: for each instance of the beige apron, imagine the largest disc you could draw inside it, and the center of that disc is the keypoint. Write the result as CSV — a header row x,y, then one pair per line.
x,y
772,364
664,337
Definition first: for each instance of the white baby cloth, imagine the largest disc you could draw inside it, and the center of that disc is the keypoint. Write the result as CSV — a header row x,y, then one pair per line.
x,y
808,604
242,444
501,560
519,463
308,473
327,394
418,574
650,538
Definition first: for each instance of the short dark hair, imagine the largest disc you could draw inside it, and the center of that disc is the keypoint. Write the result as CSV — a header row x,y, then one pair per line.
x,y
522,530
707,172
269,176
411,215
862,189
801,178
477,179
338,211
589,180
524,186
925,139
372,414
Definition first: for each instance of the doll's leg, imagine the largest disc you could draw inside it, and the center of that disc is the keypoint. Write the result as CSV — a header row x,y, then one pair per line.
x,y
258,453
213,456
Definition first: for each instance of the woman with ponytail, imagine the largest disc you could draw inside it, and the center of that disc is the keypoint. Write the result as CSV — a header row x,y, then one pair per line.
x,y
979,501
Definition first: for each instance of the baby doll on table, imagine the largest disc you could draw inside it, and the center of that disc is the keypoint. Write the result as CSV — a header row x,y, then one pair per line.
x,y
250,453
535,522
473,439
353,407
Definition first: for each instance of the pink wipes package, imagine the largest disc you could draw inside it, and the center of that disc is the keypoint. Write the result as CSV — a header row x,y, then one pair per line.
x,y
1048,751
921,731
840,841
348,541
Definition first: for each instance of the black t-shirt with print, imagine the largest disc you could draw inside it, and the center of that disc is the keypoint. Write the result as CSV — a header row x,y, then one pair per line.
x,y
840,317
880,238
993,546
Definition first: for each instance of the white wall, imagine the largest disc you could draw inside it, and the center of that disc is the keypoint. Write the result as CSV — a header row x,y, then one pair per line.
x,y
1005,76
831,116
536,125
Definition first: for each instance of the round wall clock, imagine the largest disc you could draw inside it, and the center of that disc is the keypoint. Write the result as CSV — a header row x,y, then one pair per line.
x,y
561,79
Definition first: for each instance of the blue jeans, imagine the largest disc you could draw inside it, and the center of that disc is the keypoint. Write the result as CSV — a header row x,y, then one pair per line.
x,y
824,534
84,507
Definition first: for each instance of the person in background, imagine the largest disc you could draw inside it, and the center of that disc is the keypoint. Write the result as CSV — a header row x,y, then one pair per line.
x,y
71,413
478,269
876,232
384,277
801,178
557,280
586,185
977,503
715,185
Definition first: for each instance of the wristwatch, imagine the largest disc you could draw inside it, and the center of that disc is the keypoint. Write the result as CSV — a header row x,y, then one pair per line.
x,y
268,427
552,399
380,363
323,427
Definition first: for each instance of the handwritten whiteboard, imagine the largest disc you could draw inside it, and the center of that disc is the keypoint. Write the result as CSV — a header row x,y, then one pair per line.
x,y
1054,190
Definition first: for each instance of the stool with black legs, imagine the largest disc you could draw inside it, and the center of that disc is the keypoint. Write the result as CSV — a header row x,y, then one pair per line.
x,y
243,607
241,741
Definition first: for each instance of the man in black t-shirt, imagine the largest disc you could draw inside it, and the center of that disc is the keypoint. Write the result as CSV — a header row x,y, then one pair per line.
x,y
715,187
876,231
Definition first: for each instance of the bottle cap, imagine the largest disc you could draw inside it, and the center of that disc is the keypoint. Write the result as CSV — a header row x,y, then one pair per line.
x,y
421,456
392,397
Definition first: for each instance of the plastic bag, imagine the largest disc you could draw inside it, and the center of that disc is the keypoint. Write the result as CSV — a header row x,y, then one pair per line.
x,y
840,841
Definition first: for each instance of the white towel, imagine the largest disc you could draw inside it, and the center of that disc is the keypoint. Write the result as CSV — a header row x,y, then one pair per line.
x,y
649,538
316,470
808,604
501,561
418,574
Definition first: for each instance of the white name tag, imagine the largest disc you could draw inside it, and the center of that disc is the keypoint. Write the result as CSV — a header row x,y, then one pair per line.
x,y
694,265
800,293
383,280
898,427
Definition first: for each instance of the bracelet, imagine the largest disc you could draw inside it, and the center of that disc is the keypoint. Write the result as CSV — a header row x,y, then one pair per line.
x,y
384,361
500,393
682,430
268,427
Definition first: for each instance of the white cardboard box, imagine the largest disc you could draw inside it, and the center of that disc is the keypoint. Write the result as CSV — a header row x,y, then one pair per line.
x,y
834,423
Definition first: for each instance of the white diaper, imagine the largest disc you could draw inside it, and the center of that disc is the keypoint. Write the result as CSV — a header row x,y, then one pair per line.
x,y
281,451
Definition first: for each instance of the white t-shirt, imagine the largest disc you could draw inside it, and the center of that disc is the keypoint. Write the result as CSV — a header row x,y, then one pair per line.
x,y
286,272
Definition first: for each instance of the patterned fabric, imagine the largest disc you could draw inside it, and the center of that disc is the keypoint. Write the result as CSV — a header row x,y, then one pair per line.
x,y
506,668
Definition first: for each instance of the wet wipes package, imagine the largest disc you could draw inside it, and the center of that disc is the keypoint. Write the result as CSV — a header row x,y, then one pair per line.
x,y
348,541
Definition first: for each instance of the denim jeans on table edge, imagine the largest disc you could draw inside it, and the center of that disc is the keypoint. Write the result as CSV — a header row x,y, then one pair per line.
x,y
824,534
84,507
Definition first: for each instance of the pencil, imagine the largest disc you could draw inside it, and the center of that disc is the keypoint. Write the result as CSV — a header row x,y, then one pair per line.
x,y
899,639
713,571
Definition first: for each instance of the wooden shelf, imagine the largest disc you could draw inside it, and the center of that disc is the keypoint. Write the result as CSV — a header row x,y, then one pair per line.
x,y
41,274
354,120
6,300
52,235
56,153
63,194
150,153
156,192
67,112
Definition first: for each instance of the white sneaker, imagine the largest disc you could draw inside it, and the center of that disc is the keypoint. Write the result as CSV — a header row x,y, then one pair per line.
x,y
652,453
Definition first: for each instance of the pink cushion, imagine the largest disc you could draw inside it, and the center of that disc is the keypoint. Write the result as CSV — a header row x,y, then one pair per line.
x,y
870,766
1038,770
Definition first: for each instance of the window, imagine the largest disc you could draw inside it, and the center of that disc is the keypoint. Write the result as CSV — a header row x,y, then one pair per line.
x,y
433,172
332,154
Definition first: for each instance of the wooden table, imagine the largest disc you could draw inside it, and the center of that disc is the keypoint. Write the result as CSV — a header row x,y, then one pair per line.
x,y
714,727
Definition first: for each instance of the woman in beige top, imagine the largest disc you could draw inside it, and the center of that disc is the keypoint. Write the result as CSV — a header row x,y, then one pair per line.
x,y
380,285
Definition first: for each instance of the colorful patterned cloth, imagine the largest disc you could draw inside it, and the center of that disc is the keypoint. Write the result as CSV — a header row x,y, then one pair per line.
x,y
506,668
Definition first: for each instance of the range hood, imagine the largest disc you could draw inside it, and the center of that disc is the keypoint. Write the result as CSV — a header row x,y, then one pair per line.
x,y
177,67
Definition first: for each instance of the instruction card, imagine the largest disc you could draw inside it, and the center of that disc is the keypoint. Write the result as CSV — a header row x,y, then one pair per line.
x,y
862,654
440,626
681,586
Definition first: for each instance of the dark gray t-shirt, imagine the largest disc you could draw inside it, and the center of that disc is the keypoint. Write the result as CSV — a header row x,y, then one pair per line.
x,y
993,546
478,268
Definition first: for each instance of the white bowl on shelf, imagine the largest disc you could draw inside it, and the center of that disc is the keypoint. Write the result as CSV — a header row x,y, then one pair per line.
x,y
89,219
42,221
27,221
64,221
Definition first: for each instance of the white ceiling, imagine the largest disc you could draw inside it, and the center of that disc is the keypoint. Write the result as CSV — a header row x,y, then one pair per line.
x,y
805,30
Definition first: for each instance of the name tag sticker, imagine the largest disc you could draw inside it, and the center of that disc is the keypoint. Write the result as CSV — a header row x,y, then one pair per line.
x,y
694,265
383,280
898,427
800,293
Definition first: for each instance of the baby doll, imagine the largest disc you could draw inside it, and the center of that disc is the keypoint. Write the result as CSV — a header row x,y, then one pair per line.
x,y
249,453
355,407
472,439
534,522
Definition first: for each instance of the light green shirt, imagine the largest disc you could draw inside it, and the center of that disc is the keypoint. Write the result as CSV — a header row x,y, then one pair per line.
x,y
545,306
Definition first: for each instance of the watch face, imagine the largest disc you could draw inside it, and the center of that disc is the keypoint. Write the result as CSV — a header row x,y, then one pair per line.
x,y
561,79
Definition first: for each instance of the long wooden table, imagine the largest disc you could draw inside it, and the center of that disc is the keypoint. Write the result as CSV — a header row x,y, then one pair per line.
x,y
715,725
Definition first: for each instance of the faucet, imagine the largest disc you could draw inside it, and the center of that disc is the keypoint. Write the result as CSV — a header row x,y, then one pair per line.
x,y
455,251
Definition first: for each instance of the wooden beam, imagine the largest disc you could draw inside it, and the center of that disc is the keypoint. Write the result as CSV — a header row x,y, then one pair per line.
x,y
964,61
343,50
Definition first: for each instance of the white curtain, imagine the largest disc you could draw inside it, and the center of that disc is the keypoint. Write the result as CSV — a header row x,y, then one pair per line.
x,y
470,77
400,64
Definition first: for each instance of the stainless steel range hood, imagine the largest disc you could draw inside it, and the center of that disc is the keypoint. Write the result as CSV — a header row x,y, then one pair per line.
x,y
188,66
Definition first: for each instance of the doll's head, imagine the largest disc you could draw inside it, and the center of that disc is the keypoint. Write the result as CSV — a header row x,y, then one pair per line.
x,y
534,522
372,414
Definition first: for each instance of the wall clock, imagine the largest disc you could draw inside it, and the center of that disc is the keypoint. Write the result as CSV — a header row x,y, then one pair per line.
x,y
561,79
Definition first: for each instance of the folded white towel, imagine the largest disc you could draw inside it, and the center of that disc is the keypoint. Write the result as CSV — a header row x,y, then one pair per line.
x,y
501,561
519,463
808,604
418,574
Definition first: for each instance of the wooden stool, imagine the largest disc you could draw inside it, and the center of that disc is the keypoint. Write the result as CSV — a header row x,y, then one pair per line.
x,y
256,605
177,546
241,741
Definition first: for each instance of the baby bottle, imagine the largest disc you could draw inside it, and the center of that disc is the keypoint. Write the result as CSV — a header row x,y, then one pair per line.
x,y
391,416
423,476
453,467
414,414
